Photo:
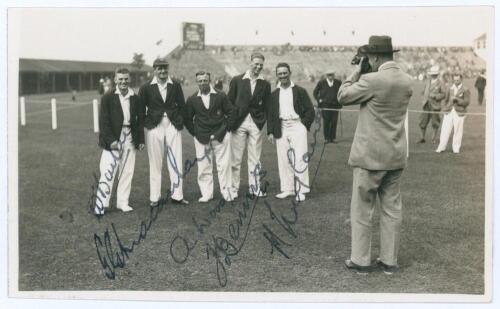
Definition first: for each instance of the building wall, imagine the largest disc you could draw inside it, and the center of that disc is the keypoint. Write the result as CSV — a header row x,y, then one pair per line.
x,y
51,82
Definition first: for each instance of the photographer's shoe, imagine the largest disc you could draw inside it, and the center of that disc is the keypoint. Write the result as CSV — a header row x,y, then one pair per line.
x,y
358,269
387,269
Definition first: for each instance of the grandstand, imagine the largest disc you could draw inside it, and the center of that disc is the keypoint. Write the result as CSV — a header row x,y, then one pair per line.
x,y
309,62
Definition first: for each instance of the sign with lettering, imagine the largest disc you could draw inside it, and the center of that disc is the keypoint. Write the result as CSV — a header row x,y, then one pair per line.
x,y
193,36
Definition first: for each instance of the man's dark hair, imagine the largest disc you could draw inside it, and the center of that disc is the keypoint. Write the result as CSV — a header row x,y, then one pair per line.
x,y
283,65
122,70
257,55
457,74
202,73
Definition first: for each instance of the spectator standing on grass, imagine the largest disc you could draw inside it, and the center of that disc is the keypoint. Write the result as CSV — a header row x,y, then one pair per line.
x,y
378,153
325,94
248,93
120,135
290,115
162,108
480,85
434,92
455,107
209,115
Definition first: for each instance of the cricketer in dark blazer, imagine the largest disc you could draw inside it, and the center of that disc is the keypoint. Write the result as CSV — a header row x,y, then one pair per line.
x,y
216,120
111,120
301,104
154,107
240,95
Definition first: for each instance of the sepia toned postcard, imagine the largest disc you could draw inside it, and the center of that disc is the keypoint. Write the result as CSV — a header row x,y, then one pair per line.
x,y
231,154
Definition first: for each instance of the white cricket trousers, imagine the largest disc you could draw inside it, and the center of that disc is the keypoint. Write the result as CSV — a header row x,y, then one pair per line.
x,y
247,134
451,121
164,141
121,162
290,148
205,155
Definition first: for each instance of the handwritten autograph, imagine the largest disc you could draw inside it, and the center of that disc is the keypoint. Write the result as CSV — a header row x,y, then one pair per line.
x,y
98,193
218,248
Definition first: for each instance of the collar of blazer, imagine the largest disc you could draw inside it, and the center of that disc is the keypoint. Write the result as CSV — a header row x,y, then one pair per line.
x,y
128,95
155,81
155,86
276,92
258,83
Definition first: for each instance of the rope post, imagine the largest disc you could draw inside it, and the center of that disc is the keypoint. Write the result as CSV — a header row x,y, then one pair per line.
x,y
96,115
54,113
23,111
407,136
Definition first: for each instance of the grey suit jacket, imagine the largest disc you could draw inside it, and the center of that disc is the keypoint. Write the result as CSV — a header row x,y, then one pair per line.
x,y
380,140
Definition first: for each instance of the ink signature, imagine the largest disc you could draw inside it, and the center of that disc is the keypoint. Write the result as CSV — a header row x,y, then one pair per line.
x,y
112,258
98,193
218,248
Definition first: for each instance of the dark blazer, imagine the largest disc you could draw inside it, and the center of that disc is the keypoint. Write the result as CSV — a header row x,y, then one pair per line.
x,y
459,102
241,97
301,104
152,100
216,120
326,95
111,120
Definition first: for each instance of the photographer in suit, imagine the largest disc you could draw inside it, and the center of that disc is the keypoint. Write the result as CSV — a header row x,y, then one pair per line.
x,y
325,94
378,152
120,134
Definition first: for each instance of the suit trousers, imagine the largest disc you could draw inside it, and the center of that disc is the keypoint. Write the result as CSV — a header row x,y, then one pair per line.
x,y
121,162
205,156
480,95
164,141
290,148
366,186
330,119
248,134
425,118
455,122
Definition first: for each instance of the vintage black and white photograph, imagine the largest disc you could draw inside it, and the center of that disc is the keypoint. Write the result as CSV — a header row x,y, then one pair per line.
x,y
317,154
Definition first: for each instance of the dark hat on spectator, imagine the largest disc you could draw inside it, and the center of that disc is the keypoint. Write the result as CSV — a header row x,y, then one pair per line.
x,y
159,62
378,44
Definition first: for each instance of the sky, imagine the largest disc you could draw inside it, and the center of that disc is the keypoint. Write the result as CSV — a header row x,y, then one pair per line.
x,y
115,34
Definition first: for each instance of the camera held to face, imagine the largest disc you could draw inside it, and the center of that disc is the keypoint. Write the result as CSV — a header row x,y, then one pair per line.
x,y
365,65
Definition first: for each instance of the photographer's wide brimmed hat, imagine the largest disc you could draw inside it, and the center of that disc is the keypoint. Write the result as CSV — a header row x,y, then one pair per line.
x,y
434,70
378,44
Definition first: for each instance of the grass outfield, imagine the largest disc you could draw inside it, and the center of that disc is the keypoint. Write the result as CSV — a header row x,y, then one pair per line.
x,y
442,245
